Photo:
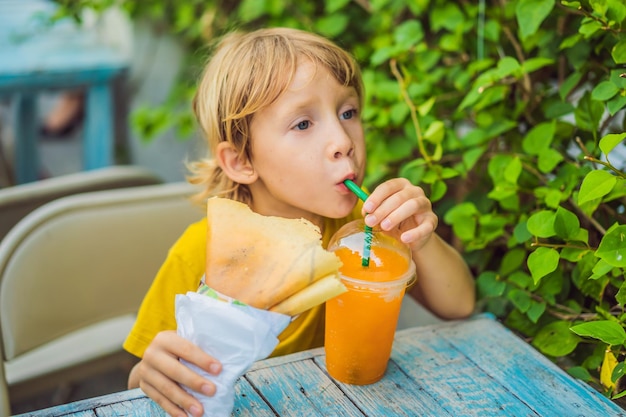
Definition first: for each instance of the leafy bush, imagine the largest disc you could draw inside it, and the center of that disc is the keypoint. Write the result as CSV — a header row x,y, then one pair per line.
x,y
511,115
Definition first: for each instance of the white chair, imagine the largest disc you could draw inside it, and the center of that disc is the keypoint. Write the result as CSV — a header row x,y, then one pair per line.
x,y
19,200
74,271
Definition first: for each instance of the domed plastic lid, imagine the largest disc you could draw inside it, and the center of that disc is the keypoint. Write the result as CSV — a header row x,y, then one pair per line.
x,y
389,258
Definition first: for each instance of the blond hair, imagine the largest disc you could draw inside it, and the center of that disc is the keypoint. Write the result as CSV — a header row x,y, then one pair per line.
x,y
247,73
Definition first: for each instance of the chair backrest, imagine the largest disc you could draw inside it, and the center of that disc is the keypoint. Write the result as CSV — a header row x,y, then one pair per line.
x,y
83,259
19,200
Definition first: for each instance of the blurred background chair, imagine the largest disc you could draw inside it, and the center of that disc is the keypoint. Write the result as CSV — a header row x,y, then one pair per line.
x,y
73,273
19,200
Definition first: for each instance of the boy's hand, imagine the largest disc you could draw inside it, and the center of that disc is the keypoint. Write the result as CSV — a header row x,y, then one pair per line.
x,y
398,203
160,373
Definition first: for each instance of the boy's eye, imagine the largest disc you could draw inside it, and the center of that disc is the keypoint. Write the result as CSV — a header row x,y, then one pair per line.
x,y
349,114
303,125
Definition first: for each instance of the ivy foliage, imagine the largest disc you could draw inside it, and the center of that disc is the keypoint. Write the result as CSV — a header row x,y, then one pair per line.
x,y
510,114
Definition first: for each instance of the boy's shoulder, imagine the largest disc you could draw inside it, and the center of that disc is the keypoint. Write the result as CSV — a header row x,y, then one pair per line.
x,y
192,239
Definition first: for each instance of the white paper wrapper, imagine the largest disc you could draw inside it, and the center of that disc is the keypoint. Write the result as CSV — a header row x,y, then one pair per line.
x,y
237,335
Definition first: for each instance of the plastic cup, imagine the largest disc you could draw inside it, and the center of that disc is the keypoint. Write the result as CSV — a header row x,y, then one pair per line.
x,y
361,323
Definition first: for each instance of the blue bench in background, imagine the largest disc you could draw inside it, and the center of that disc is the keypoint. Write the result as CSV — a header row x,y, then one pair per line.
x,y
36,57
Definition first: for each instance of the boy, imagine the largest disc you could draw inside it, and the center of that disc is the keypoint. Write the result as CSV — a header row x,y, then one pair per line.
x,y
280,109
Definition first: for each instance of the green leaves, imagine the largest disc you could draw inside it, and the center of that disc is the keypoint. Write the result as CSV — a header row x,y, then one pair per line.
x,y
610,141
556,339
537,142
539,138
612,249
504,171
489,284
596,185
540,182
408,34
464,219
619,52
611,91
333,6
563,225
607,331
604,91
542,262
448,17
588,114
566,224
541,224
332,25
531,13
405,38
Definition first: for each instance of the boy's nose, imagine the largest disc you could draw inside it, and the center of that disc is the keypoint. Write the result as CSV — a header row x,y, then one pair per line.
x,y
341,144
339,154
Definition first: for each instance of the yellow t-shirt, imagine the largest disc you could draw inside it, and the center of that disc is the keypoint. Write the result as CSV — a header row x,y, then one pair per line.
x,y
181,272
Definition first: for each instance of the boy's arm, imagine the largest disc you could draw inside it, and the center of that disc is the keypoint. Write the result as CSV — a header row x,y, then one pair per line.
x,y
444,282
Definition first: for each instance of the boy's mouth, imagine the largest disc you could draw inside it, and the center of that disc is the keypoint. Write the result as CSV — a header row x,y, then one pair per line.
x,y
351,177
342,185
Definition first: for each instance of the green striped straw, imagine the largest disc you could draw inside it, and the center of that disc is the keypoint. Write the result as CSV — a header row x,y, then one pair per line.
x,y
367,246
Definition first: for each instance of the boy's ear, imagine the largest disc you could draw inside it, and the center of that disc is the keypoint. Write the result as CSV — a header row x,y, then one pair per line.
x,y
237,167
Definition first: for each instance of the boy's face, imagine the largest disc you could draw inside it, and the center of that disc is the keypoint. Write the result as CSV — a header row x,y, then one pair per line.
x,y
304,145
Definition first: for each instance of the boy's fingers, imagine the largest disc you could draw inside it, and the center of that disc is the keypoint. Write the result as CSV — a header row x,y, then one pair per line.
x,y
388,211
381,194
393,202
418,234
174,346
167,363
163,374
169,406
408,213
163,385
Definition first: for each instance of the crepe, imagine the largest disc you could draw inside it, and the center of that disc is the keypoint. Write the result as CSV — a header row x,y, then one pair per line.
x,y
316,293
263,260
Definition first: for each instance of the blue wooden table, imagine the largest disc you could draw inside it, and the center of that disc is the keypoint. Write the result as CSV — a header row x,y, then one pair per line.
x,y
36,57
474,367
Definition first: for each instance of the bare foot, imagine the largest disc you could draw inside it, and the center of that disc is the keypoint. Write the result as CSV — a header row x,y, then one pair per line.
x,y
65,115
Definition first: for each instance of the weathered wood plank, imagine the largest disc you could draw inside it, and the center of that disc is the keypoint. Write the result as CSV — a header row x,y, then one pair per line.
x,y
85,408
139,407
394,395
524,371
280,360
452,379
248,403
301,389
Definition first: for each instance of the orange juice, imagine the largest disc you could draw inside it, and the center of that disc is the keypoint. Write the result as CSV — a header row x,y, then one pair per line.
x,y
361,323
